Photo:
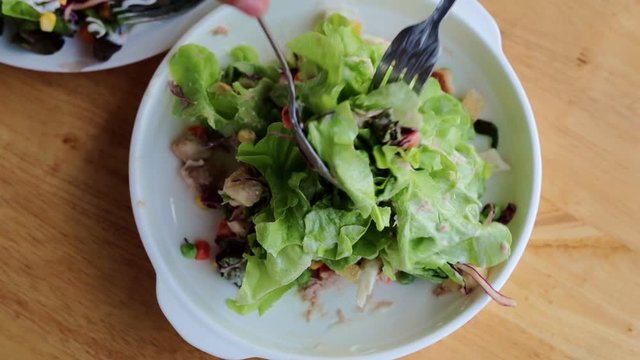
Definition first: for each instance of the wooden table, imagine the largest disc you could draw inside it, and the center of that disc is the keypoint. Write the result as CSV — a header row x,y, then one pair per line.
x,y
75,281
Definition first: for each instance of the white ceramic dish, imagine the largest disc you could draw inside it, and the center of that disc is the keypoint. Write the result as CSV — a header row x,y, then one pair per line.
x,y
192,295
144,41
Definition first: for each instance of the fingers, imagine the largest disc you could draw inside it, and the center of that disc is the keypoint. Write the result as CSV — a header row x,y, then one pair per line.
x,y
250,7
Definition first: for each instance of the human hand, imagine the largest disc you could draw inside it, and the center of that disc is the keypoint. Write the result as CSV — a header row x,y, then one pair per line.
x,y
250,7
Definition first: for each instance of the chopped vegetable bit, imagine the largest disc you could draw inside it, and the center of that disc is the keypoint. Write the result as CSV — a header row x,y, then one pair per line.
x,y
507,214
246,136
489,129
404,278
47,21
221,30
286,119
484,283
242,188
410,138
188,249
473,103
224,231
203,250
304,278
199,132
488,213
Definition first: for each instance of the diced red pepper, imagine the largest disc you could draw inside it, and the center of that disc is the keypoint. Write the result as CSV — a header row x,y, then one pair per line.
x,y
198,131
286,119
410,140
224,231
323,271
203,250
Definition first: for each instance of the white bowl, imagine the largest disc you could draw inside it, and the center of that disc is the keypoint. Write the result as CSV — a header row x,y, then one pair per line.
x,y
192,295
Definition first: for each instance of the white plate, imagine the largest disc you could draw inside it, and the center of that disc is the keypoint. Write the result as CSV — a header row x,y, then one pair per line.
x,y
192,295
144,41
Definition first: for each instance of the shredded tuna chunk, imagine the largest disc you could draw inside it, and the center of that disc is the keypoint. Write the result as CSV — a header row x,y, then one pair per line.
x,y
311,292
189,147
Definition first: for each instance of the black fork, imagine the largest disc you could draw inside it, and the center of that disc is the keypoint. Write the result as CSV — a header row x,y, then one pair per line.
x,y
413,52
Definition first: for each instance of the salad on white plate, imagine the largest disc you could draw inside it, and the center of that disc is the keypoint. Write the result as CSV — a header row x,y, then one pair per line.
x,y
86,35
411,181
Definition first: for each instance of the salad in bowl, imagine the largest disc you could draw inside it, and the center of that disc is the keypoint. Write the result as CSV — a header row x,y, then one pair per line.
x,y
414,231
408,203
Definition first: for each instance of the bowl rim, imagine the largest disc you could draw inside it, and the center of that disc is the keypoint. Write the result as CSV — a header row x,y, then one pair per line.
x,y
165,275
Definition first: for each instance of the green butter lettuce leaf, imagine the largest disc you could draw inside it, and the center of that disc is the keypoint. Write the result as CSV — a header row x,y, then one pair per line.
x,y
324,51
262,276
335,62
368,247
20,10
319,94
489,247
276,234
245,53
254,110
333,138
225,108
402,102
435,191
445,122
62,27
357,73
248,108
331,233
359,58
279,233
438,224
262,305
372,242
195,69
279,228
224,100
472,171
277,157
246,61
321,64
307,185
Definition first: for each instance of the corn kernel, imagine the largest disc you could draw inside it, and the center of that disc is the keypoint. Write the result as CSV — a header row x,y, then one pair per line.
x,y
315,265
246,136
199,202
63,2
47,21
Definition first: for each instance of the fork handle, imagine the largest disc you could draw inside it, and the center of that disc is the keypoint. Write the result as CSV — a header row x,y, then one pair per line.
x,y
307,151
440,12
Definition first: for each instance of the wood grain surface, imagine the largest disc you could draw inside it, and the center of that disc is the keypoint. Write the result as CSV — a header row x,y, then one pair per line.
x,y
75,282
